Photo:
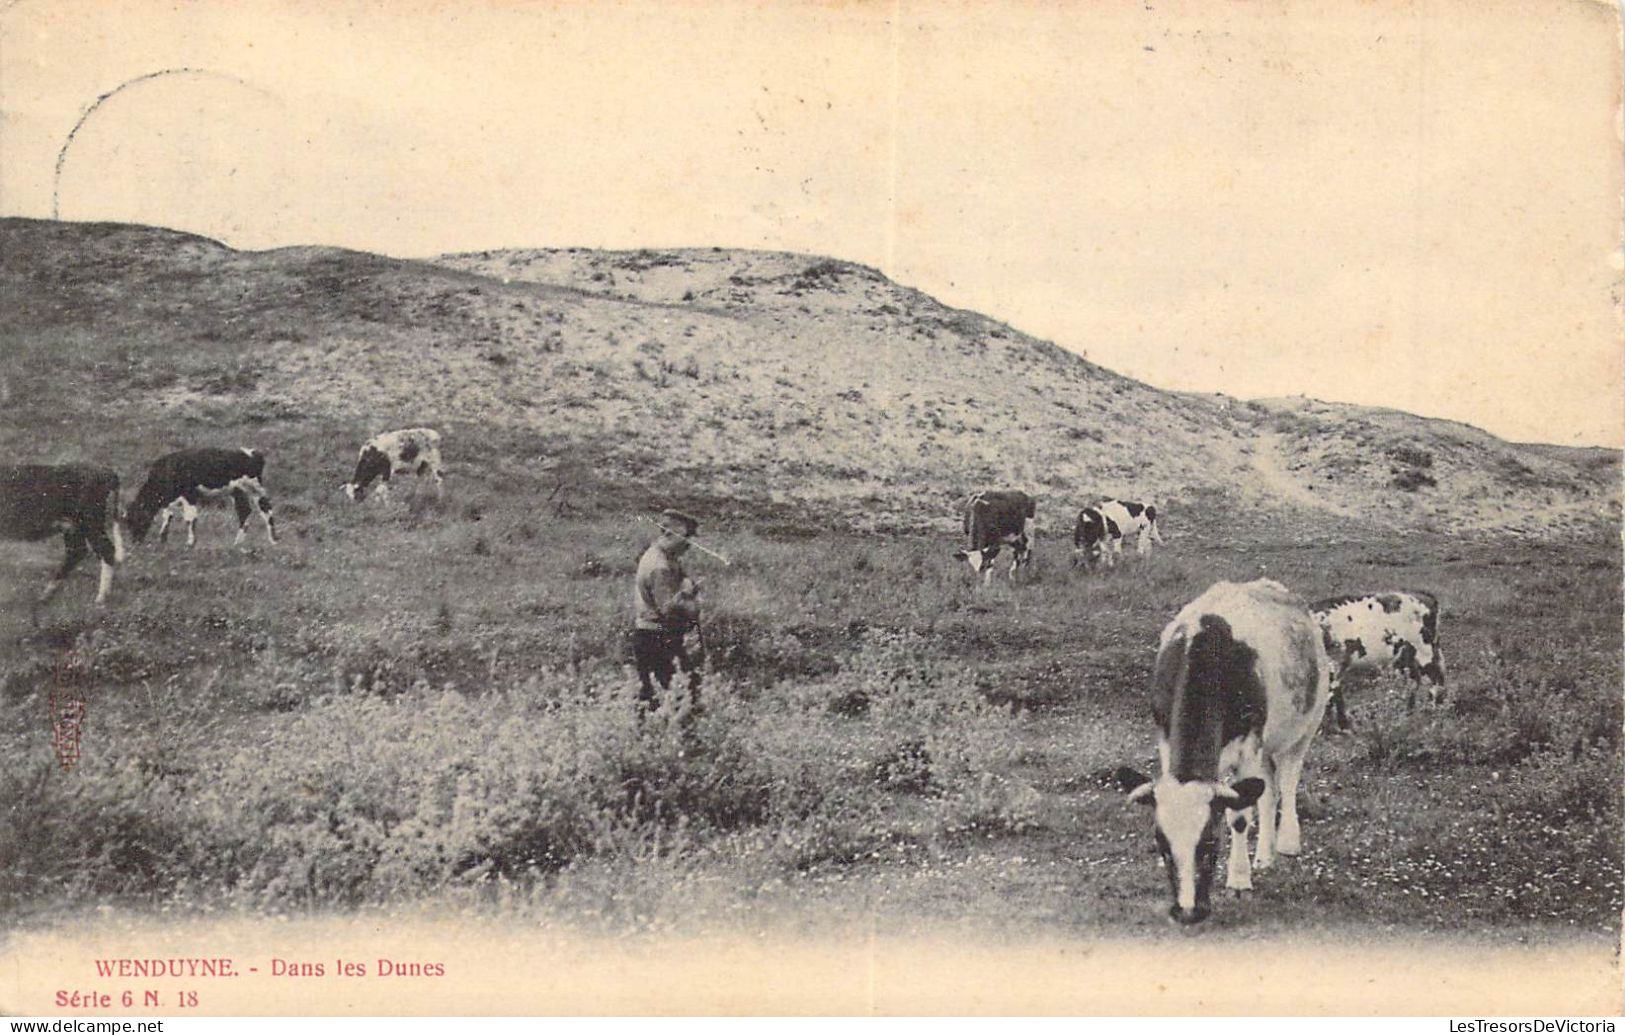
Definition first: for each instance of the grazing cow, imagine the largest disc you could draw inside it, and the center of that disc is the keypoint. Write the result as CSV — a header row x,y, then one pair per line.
x,y
182,480
81,502
1095,537
1398,630
408,451
994,520
1238,691
1101,529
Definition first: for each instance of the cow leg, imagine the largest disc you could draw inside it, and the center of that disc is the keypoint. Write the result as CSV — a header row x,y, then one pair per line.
x,y
1334,697
1434,671
244,509
1405,662
382,495
107,551
1143,545
189,515
163,523
433,471
268,517
1289,839
115,518
1264,854
77,548
1239,873
104,584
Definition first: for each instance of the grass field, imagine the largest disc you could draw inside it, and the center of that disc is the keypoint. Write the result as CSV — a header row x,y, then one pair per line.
x,y
424,707
427,702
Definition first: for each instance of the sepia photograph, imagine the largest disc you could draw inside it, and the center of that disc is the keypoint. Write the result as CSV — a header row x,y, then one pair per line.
x,y
826,508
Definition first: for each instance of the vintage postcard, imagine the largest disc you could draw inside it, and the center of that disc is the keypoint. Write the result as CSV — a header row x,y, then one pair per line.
x,y
813,508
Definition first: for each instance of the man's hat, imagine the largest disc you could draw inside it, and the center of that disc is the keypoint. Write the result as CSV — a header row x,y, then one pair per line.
x,y
673,518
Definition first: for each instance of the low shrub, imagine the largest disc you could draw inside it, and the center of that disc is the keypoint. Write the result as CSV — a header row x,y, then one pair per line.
x,y
403,788
1410,479
1502,722
763,652
1411,456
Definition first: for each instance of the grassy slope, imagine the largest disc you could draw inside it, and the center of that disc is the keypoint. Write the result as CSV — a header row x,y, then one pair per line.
x,y
384,656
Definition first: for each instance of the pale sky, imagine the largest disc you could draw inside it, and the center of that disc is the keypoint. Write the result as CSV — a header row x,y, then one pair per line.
x,y
1410,205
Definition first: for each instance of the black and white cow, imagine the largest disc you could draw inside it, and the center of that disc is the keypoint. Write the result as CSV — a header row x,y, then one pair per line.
x,y
182,480
408,451
1238,692
81,502
1374,631
1100,530
994,520
1095,537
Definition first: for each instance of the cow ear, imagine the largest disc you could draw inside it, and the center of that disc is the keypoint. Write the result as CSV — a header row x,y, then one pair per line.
x,y
1135,784
961,555
1240,796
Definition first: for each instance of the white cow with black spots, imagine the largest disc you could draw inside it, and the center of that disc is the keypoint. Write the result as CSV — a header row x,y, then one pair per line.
x,y
1101,529
407,451
1370,632
1238,691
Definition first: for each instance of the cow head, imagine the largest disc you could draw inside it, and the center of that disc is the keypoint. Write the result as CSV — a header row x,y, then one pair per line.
x,y
1188,816
139,515
1092,554
371,465
1089,538
979,560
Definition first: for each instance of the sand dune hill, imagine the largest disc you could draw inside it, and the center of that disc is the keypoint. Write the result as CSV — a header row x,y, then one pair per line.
x,y
775,377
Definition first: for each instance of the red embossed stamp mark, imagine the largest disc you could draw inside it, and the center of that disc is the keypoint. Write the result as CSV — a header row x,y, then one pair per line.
x,y
67,704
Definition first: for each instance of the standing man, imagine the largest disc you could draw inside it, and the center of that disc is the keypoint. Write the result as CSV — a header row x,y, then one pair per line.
x,y
665,607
